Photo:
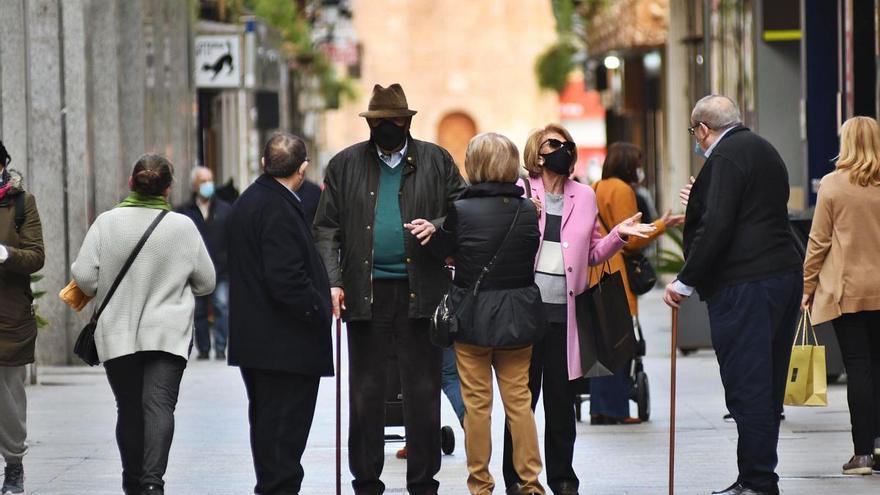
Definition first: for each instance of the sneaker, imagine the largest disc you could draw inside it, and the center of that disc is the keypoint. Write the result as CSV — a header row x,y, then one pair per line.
x,y
220,355
859,465
13,480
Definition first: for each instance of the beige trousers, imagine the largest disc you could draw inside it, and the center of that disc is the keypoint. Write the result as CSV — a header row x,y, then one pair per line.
x,y
512,372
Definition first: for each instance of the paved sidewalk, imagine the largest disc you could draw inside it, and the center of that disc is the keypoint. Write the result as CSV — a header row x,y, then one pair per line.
x,y
72,418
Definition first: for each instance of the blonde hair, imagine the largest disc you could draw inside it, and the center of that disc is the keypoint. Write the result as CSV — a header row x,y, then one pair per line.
x,y
860,151
491,157
533,147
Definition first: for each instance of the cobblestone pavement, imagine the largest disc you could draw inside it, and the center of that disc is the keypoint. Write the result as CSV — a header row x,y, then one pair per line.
x,y
72,417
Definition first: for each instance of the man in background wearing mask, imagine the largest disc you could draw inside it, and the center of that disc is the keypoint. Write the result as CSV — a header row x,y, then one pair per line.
x,y
209,214
21,254
385,286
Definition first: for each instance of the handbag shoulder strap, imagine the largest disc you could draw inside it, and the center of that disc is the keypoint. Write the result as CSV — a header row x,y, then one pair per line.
x,y
486,269
528,187
129,261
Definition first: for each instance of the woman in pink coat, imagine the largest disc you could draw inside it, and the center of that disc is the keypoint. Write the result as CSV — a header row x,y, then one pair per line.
x,y
571,244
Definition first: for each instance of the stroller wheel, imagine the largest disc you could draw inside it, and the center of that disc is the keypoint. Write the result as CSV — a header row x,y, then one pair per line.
x,y
643,396
447,440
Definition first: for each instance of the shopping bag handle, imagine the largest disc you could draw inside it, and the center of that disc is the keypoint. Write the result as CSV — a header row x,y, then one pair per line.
x,y
805,321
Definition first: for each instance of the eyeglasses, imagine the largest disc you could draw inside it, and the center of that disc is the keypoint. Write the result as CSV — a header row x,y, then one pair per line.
x,y
692,129
398,121
556,144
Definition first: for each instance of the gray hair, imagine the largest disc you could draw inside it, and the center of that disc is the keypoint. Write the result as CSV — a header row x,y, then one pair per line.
x,y
194,173
717,112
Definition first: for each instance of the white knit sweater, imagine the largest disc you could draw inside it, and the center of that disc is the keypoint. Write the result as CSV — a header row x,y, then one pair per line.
x,y
152,309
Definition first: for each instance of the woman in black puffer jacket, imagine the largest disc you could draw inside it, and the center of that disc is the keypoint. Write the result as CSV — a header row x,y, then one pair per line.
x,y
502,318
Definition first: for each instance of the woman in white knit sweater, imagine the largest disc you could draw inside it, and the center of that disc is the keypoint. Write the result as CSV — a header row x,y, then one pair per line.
x,y
144,335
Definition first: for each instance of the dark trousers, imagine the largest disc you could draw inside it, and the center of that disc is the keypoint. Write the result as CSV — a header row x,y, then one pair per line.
x,y
146,385
859,338
753,326
419,362
219,302
549,371
281,407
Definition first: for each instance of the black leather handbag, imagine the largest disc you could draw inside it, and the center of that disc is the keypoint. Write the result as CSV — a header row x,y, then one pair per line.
x,y
85,346
446,320
639,272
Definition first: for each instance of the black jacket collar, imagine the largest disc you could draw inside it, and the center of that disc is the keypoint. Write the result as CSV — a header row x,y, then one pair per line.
x,y
267,180
490,189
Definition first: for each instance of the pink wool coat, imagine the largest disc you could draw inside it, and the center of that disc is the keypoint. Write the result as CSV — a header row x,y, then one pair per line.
x,y
582,247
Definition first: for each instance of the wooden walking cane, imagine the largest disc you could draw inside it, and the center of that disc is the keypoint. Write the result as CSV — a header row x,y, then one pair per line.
x,y
673,356
338,406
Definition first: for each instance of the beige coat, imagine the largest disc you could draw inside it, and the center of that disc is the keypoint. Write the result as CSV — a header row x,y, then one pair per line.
x,y
843,255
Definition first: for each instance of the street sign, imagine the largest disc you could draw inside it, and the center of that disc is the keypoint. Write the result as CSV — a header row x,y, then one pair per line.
x,y
218,61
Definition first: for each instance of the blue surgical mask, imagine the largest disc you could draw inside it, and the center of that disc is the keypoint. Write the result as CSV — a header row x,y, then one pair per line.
x,y
206,190
697,150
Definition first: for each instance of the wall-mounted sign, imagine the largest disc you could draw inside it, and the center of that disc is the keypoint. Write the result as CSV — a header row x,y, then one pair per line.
x,y
218,61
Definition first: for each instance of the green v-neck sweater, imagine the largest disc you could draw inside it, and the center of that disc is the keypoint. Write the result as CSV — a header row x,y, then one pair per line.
x,y
389,251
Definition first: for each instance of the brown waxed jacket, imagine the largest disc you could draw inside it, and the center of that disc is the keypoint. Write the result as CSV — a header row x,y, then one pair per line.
x,y
18,326
347,211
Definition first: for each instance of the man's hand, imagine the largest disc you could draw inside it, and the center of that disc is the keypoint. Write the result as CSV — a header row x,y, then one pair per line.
x,y
685,193
422,229
631,226
672,298
337,297
806,302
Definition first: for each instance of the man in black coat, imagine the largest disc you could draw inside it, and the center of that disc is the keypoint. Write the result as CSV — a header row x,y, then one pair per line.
x,y
280,315
740,257
210,213
386,286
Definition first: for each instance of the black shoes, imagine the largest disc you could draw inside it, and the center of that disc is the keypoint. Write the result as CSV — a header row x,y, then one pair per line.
x,y
152,489
13,480
203,356
565,488
738,489
220,355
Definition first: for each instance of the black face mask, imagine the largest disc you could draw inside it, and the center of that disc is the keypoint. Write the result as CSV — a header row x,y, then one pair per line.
x,y
387,135
558,162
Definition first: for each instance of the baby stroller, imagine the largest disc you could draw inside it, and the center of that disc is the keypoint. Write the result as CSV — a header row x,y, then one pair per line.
x,y
639,387
394,410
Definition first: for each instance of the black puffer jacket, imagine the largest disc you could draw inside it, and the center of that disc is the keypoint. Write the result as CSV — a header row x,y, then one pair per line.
x,y
507,310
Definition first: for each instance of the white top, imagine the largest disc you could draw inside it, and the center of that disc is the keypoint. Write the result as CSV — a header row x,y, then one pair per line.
x,y
394,159
152,309
4,253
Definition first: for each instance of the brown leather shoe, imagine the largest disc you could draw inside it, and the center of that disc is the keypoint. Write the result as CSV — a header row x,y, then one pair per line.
x,y
859,465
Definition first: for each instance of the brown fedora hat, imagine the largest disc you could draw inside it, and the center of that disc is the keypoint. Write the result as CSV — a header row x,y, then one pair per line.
x,y
387,102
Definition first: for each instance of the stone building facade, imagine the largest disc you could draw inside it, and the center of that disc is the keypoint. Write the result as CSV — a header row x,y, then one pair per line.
x,y
466,66
87,86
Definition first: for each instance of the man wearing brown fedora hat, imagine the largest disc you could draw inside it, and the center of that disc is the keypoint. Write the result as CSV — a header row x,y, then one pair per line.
x,y
386,287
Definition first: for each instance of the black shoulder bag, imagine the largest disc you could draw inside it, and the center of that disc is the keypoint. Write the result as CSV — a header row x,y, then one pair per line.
x,y
85,346
446,320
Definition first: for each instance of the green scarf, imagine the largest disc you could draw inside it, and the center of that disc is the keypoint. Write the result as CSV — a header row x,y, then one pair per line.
x,y
143,201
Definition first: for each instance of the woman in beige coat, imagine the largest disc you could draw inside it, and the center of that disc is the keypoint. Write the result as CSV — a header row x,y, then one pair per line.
x,y
840,277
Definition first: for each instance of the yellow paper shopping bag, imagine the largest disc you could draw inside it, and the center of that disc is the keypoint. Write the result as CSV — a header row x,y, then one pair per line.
x,y
807,380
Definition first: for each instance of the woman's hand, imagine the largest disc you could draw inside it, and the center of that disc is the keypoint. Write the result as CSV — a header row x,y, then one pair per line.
x,y
806,302
631,226
538,205
672,221
422,229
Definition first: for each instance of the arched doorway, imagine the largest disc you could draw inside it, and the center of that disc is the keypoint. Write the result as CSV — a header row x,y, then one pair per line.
x,y
454,132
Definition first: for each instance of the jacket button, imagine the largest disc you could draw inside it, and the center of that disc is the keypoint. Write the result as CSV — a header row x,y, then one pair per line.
x,y
569,269
372,193
565,245
412,295
369,227
409,159
408,260
366,262
571,293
